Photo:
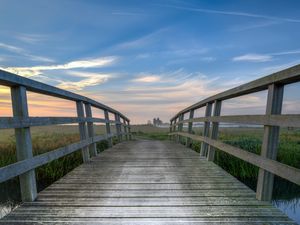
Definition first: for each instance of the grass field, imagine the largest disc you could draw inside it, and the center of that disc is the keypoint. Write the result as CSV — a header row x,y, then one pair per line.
x,y
45,139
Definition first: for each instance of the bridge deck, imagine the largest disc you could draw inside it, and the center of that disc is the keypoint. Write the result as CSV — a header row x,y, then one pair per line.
x,y
147,182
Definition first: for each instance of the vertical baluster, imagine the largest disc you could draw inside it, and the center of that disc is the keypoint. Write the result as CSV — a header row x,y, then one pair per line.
x,y
204,146
171,129
90,129
180,126
82,131
270,143
125,129
190,127
23,143
215,130
117,119
129,129
107,126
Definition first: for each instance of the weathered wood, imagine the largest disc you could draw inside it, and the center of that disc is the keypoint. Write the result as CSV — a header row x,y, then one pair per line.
x,y
90,129
286,120
179,128
190,127
107,127
23,143
125,130
204,146
287,172
21,167
118,127
82,131
98,193
129,130
11,122
287,76
270,143
215,130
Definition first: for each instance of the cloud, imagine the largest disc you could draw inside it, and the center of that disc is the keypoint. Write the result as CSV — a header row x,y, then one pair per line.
x,y
235,13
23,52
31,38
253,58
90,79
263,57
147,79
254,26
87,63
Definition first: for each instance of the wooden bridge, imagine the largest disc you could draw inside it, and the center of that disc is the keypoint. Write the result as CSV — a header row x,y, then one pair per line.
x,y
149,182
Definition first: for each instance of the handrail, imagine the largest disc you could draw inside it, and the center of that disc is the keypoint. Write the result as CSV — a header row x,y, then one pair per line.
x,y
21,122
272,120
287,76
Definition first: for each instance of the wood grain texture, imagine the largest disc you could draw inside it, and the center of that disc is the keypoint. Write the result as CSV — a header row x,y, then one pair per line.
x,y
147,182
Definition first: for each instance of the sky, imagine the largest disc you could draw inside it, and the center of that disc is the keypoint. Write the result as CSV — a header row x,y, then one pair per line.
x,y
148,58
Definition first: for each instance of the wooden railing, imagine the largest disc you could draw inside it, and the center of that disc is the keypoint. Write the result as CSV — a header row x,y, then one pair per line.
x,y
21,122
272,120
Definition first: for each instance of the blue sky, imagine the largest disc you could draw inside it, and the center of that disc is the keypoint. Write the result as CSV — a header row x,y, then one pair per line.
x,y
149,58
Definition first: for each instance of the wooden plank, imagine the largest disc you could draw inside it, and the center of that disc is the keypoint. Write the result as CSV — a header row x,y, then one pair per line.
x,y
18,168
190,127
99,193
287,172
287,76
204,146
107,127
90,129
270,143
82,132
23,143
286,120
215,130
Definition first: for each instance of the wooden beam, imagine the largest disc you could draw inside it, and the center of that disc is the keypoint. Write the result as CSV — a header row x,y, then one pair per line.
x,y
23,143
118,127
204,146
90,129
82,131
286,120
287,76
215,130
270,143
287,172
190,127
107,126
21,167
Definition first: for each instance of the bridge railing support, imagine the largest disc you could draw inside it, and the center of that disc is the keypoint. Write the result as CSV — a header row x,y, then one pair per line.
x,y
23,143
21,122
272,120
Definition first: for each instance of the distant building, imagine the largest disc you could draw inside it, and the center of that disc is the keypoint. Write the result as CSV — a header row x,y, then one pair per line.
x,y
149,122
157,122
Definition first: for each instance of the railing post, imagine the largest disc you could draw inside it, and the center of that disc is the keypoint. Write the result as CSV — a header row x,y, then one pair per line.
x,y
171,129
270,143
215,130
190,127
82,131
125,129
180,125
107,126
23,143
90,128
204,146
118,124
129,129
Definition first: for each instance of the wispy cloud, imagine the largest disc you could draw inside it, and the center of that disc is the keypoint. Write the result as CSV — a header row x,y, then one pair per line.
x,y
90,79
253,58
31,38
147,79
87,63
23,52
235,13
262,24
